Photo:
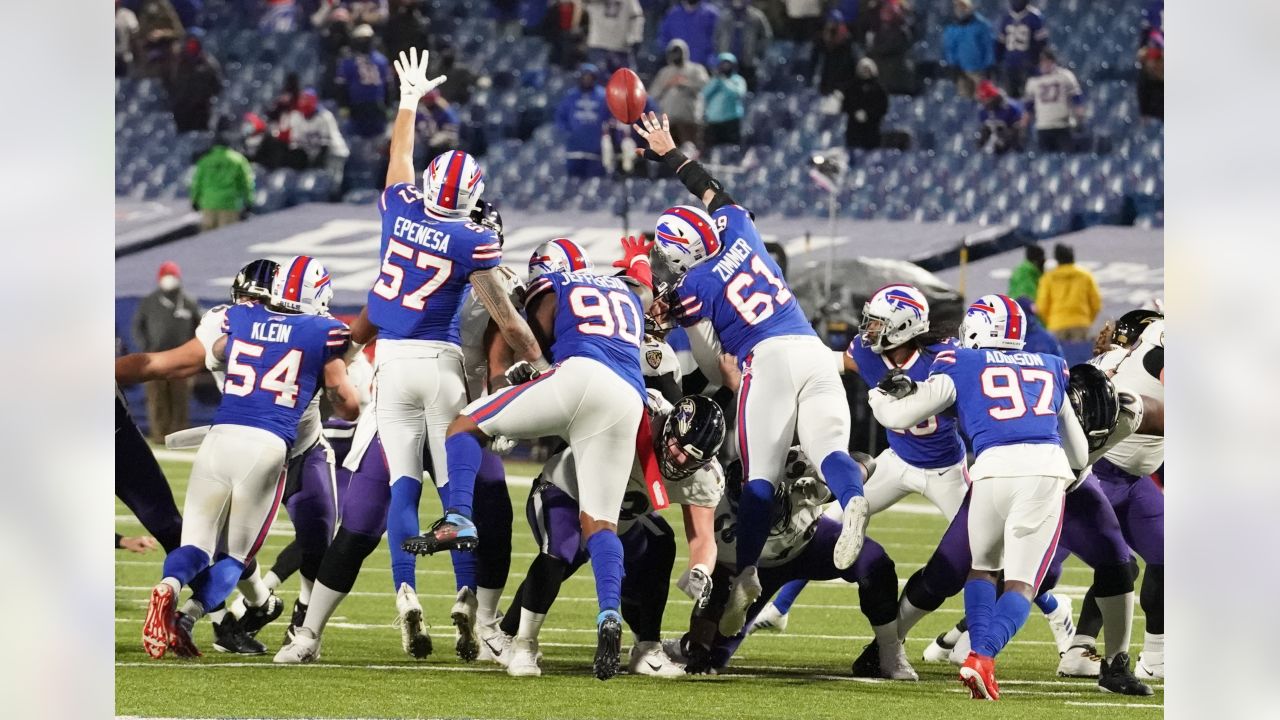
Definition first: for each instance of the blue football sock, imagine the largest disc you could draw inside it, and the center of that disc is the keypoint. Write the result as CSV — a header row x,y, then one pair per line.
x,y
606,563
788,594
402,524
464,562
843,476
1047,603
464,455
185,563
979,604
1010,613
222,579
754,512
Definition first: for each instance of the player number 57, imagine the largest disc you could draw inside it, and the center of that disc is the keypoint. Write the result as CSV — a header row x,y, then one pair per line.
x,y
389,283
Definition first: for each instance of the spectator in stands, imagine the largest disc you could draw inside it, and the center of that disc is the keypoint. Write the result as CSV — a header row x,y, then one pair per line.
x,y
1003,120
1151,76
459,79
196,79
361,12
161,30
866,103
582,119
804,20
677,88
222,188
694,23
968,47
126,38
744,31
885,30
279,16
1055,99
334,25
1021,37
1025,278
363,81
722,97
614,29
164,320
835,52
1068,297
1038,338
407,27
437,127
314,138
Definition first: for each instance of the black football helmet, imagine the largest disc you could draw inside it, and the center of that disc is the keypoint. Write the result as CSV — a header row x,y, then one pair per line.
x,y
253,282
1131,324
486,214
1093,397
691,437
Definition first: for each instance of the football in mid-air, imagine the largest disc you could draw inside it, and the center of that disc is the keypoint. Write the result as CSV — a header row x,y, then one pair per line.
x,y
625,95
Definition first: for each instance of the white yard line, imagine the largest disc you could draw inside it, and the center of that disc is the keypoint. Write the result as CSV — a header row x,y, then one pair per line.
x,y
1131,706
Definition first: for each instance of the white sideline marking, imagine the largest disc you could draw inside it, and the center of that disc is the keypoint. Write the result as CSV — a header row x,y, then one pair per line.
x,y
1119,705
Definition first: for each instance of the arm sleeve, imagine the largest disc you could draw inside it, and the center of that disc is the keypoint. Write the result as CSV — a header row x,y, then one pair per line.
x,y
705,348
1074,442
930,398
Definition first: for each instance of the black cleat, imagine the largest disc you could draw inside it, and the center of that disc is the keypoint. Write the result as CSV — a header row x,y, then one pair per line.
x,y
451,532
868,663
181,643
296,620
230,637
608,644
1114,676
256,618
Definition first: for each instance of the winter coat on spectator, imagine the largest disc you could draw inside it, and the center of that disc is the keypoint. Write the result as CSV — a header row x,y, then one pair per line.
x,y
745,32
696,26
969,44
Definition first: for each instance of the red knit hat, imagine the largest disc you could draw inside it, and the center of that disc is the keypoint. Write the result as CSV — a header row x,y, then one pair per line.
x,y
169,267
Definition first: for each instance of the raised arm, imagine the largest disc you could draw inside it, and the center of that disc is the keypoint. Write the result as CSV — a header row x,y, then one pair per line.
x,y
662,148
492,293
183,361
414,84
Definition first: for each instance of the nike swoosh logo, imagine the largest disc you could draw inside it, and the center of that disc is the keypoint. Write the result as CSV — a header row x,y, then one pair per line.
x,y
652,666
492,649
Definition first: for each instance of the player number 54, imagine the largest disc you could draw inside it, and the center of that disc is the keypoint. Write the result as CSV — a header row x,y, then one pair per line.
x,y
281,379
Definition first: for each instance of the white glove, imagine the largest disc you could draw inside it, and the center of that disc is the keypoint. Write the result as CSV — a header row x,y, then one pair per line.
x,y
696,583
501,444
414,84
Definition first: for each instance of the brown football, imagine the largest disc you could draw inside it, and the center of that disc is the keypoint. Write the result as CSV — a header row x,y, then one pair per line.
x,y
625,95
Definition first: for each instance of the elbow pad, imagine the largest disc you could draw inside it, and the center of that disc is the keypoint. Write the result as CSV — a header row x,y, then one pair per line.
x,y
697,179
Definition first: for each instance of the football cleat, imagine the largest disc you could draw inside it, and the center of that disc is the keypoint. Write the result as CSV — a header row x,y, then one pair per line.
x,y
1060,624
854,531
157,629
672,649
742,593
296,619
524,658
1080,661
463,615
1150,666
867,664
1115,677
451,532
894,664
303,647
230,637
648,658
255,618
938,651
978,673
769,620
608,644
413,635
180,642
495,645
960,652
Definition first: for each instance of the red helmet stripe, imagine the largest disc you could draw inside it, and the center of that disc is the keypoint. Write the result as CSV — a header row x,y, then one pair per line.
x,y
705,231
452,177
573,252
293,282
1012,328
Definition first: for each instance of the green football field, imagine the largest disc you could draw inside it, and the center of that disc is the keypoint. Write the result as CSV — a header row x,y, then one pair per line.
x,y
803,673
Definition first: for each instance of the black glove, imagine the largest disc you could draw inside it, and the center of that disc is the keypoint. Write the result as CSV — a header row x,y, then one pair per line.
x,y
897,385
520,373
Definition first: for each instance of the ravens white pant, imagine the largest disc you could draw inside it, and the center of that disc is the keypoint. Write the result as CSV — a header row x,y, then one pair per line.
x,y
419,389
789,389
894,479
236,485
1015,523
589,406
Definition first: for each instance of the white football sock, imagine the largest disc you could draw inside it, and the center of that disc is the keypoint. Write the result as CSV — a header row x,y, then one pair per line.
x,y
193,609
1153,644
304,590
216,616
530,624
1117,622
886,634
173,583
952,636
324,600
908,616
271,580
254,590
487,600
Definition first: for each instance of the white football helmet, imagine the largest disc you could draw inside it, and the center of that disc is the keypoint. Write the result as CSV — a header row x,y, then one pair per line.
x,y
453,182
994,321
894,314
686,236
302,286
559,255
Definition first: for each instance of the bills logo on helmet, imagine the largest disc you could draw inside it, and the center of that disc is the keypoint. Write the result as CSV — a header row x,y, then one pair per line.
x,y
902,299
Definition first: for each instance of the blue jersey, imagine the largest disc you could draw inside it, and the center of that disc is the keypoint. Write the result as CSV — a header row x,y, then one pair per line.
x,y
597,317
275,365
1005,398
365,76
740,289
426,262
1005,116
935,442
1021,37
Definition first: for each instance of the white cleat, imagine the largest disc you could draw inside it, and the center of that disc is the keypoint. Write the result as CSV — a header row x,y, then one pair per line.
x,y
495,645
1080,661
894,664
960,652
463,615
413,635
744,591
303,647
1150,666
671,648
648,658
524,658
937,652
769,620
849,544
1064,631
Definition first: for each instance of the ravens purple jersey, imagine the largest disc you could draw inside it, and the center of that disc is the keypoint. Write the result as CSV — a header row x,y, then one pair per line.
x,y
740,289
1005,398
426,263
932,444
597,317
275,365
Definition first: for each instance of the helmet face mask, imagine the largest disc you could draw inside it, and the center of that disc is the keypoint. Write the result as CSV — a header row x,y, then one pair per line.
x,y
1093,398
893,316
1131,325
691,436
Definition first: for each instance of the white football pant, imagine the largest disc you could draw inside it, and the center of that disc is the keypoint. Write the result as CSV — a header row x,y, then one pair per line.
x,y
236,485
